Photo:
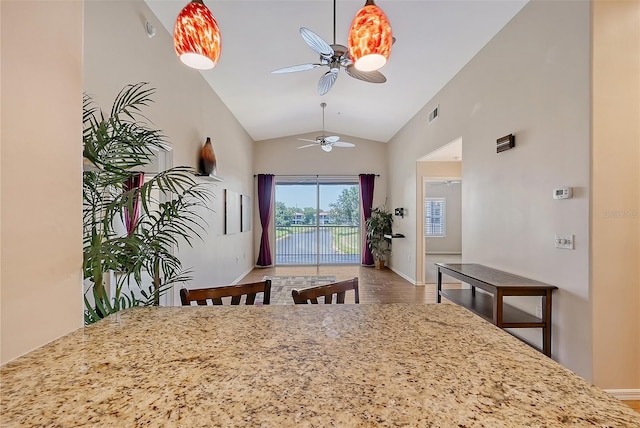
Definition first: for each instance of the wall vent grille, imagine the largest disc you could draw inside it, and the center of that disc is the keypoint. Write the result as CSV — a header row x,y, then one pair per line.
x,y
433,115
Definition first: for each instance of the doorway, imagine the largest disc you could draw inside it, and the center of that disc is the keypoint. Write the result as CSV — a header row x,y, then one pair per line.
x,y
442,224
438,220
317,220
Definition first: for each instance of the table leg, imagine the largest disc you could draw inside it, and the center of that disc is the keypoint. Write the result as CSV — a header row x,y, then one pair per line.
x,y
546,330
438,298
497,308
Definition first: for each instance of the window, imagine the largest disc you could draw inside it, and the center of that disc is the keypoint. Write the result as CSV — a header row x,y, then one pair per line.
x,y
434,216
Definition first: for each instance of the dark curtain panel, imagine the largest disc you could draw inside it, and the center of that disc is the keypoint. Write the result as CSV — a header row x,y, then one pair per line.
x,y
265,202
366,198
131,211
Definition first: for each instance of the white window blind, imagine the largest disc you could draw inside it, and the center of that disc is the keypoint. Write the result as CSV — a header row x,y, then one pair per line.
x,y
434,217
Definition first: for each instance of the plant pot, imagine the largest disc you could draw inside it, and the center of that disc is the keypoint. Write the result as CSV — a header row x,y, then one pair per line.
x,y
379,264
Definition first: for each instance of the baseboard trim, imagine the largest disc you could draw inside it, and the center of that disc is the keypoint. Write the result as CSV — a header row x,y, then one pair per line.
x,y
237,280
412,281
625,394
442,253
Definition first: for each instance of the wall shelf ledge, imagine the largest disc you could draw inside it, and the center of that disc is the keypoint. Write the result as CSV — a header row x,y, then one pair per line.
x,y
210,177
395,235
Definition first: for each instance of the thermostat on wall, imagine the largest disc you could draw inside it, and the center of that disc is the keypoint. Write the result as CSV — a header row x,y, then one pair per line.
x,y
563,193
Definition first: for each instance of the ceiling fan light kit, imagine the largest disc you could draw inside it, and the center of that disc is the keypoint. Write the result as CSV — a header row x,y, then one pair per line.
x,y
370,38
196,36
334,56
326,143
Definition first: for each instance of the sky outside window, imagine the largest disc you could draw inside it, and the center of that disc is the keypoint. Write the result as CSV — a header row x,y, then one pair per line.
x,y
302,196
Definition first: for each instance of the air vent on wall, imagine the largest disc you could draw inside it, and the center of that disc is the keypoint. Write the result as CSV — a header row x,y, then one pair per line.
x,y
433,115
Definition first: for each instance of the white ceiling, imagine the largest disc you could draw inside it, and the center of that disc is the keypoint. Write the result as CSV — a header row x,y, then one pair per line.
x,y
435,39
448,152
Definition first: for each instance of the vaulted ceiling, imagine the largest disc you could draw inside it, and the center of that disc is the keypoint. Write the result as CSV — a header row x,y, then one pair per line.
x,y
435,39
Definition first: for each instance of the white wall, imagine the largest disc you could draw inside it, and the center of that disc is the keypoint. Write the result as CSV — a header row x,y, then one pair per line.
x,y
118,52
282,157
532,80
41,173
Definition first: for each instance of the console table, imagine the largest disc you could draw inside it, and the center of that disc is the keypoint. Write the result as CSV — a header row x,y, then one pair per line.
x,y
491,306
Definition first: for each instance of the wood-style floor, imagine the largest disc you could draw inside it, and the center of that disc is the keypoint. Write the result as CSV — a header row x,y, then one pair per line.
x,y
634,404
376,286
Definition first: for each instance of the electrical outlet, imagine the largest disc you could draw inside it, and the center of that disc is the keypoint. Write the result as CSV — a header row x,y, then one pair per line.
x,y
564,241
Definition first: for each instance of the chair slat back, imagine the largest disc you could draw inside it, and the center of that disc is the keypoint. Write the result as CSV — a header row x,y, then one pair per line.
x,y
310,295
215,294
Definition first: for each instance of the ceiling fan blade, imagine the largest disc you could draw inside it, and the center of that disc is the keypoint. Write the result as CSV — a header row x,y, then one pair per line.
x,y
316,43
326,82
308,145
367,76
311,141
342,144
332,139
294,68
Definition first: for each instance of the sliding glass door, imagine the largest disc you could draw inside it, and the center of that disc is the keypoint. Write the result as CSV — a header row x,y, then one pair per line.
x,y
317,220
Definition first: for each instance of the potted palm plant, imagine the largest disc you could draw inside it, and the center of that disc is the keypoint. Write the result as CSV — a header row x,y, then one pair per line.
x,y
379,225
167,205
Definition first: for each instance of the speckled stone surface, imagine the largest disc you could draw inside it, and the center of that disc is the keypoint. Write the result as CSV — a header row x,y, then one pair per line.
x,y
302,366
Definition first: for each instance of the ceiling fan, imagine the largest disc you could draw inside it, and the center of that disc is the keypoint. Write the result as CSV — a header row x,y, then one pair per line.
x,y
326,143
333,56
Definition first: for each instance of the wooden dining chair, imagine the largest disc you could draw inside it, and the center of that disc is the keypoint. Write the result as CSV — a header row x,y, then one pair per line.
x,y
310,295
215,294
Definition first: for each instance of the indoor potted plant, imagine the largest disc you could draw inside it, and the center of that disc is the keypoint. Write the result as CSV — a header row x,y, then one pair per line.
x,y
379,225
116,145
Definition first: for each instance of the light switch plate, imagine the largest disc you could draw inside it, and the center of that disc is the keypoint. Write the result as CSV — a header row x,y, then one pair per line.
x,y
564,241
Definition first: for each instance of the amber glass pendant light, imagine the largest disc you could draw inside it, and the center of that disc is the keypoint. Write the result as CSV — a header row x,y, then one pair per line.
x,y
370,38
196,36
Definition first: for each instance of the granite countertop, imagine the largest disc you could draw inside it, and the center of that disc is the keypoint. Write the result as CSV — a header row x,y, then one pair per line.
x,y
302,366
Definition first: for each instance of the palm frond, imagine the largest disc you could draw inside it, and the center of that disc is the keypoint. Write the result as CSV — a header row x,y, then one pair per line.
x,y
119,145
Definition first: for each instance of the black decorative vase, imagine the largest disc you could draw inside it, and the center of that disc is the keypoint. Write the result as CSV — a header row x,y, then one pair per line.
x,y
207,158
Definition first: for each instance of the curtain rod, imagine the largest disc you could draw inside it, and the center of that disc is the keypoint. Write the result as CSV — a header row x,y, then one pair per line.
x,y
315,175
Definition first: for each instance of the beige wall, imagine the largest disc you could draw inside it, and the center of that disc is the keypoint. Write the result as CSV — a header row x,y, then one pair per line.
x,y
451,242
41,232
118,51
615,203
282,157
532,79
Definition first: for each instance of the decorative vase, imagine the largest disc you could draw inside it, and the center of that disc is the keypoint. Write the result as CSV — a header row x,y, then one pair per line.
x,y
379,264
207,158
